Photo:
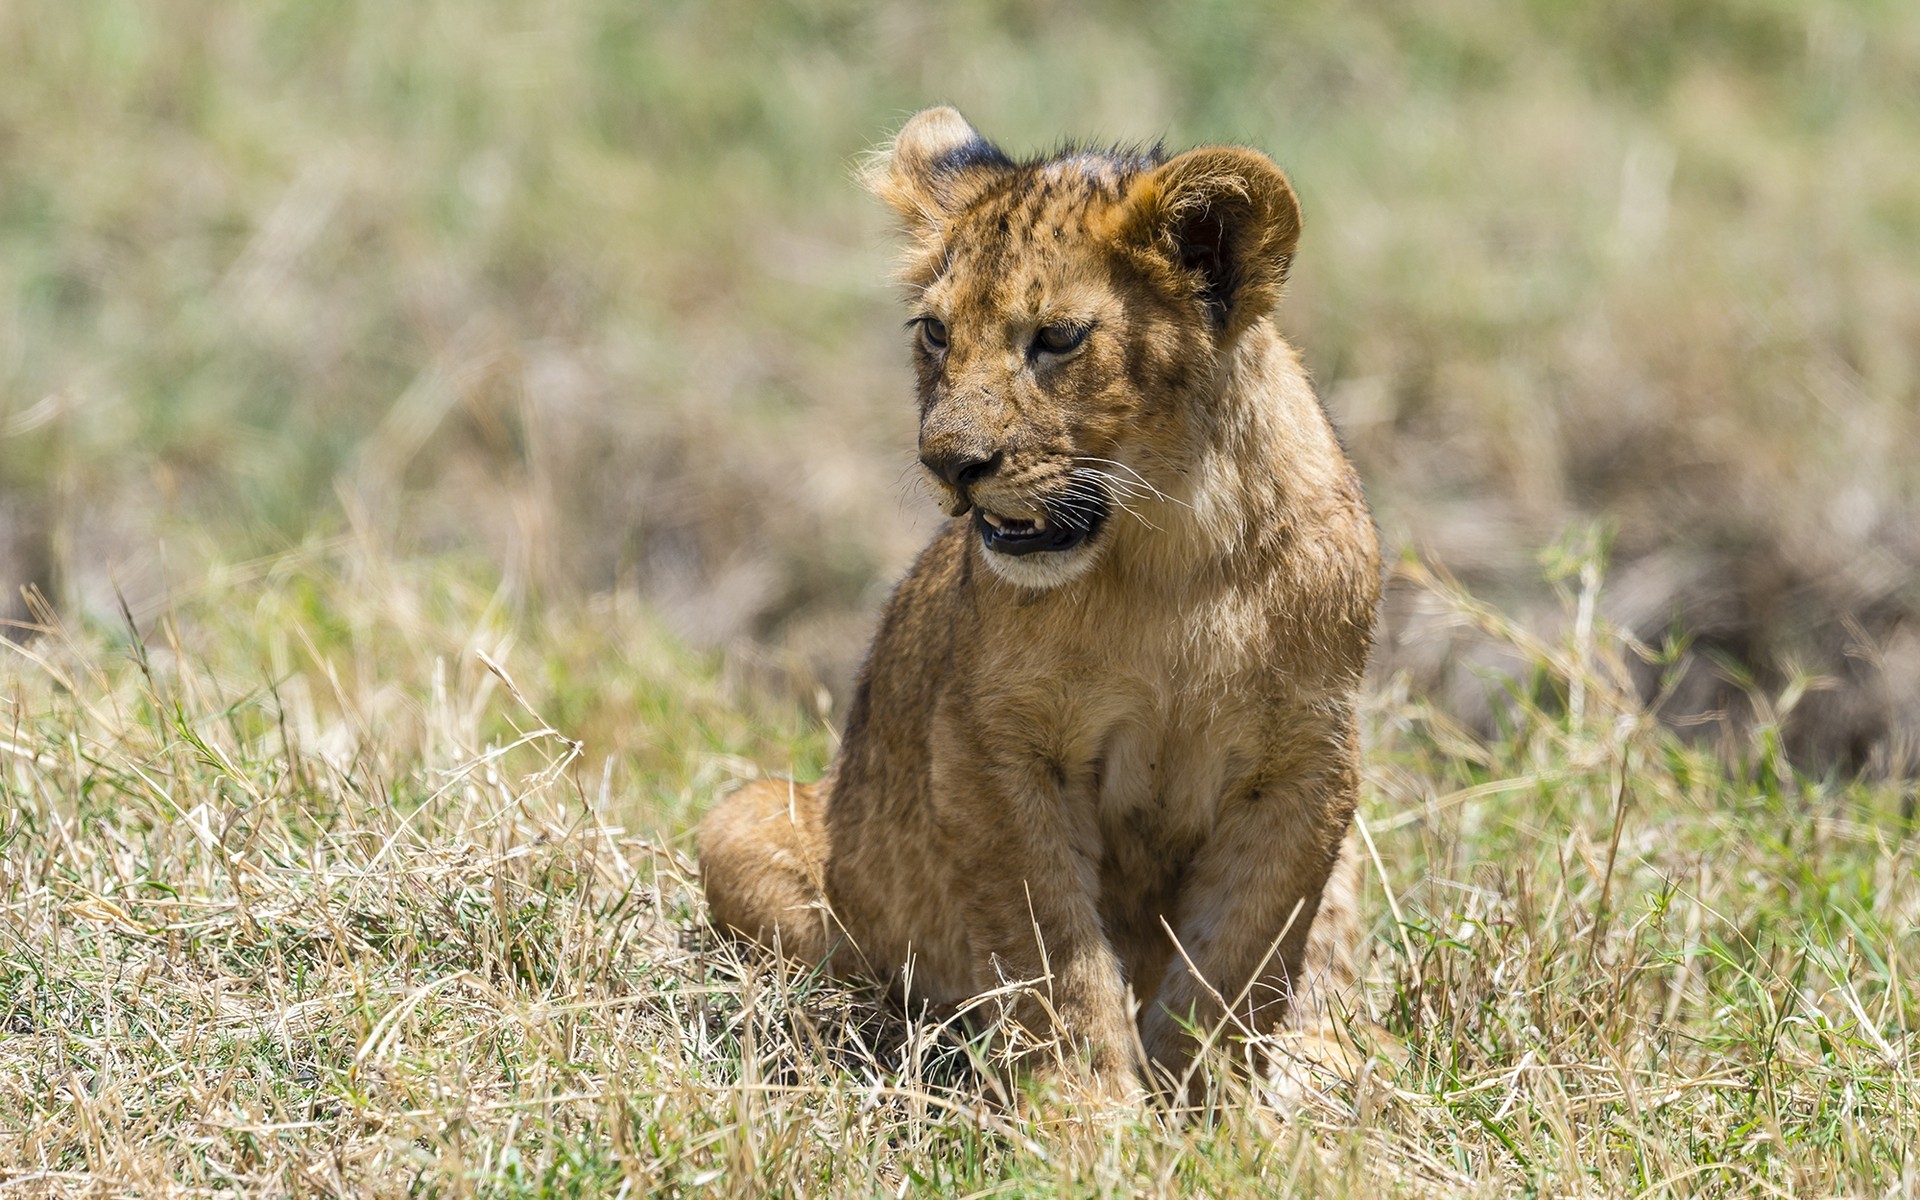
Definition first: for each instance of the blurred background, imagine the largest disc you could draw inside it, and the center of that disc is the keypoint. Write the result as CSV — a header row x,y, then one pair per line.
x,y
582,291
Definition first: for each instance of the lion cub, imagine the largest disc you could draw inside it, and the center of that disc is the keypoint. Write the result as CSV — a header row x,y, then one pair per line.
x,y
1105,739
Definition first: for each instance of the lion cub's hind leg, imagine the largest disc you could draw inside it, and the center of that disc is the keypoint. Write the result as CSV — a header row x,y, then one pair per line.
x,y
763,855
1326,980
1328,1039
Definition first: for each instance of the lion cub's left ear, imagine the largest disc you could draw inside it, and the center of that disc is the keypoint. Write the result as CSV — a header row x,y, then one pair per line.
x,y
936,165
1225,219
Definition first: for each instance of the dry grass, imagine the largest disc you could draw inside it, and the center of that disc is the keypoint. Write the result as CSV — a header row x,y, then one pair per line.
x,y
301,896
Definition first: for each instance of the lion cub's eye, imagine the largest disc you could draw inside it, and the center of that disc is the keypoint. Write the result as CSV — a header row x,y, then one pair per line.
x,y
1059,339
933,332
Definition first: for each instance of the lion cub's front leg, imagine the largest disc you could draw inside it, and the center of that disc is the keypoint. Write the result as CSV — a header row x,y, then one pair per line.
x,y
1023,855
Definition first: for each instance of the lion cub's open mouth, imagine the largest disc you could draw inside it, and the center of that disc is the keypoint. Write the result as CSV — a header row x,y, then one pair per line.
x,y
1064,524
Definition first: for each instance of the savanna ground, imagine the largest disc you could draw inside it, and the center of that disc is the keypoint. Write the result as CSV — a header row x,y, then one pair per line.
x,y
448,443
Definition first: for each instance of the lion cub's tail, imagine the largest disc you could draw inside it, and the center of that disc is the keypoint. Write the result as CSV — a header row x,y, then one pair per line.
x,y
763,854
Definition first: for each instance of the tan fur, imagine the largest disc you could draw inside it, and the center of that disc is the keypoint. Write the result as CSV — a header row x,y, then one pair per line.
x,y
1051,760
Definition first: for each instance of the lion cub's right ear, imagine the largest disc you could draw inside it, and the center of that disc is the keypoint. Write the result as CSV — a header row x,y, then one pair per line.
x,y
934,167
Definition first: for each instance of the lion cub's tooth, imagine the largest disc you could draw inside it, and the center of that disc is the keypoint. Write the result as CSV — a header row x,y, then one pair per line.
x,y
1039,524
991,519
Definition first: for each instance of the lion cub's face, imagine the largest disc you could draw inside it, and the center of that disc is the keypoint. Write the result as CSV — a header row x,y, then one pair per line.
x,y
1069,317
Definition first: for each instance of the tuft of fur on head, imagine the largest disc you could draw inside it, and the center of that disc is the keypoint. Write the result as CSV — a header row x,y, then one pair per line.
x,y
1221,221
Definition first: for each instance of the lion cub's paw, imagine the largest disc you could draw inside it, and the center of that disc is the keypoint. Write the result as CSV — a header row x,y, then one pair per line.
x,y
1076,1098
1327,1060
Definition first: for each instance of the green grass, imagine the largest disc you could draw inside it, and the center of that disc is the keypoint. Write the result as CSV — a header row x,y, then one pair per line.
x,y
584,288
300,895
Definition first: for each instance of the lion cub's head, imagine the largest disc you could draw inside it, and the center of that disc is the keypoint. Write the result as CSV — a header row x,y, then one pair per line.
x,y
1071,319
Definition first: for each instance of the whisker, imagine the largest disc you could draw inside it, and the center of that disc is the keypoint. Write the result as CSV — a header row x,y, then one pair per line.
x,y
1115,483
1120,492
1083,499
1140,481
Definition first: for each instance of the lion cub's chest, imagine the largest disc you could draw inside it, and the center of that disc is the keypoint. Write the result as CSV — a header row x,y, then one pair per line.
x,y
1166,777
1156,708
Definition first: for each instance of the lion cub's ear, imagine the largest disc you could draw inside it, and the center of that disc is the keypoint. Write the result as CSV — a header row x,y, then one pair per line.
x,y
1225,219
935,167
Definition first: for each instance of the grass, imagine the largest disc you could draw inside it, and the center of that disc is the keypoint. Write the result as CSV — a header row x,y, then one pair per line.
x,y
307,889
346,349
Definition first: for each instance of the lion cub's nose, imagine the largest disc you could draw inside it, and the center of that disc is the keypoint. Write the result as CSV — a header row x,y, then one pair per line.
x,y
960,466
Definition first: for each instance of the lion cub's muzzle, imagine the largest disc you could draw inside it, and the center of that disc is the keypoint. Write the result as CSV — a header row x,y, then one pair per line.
x,y
1067,519
1056,518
